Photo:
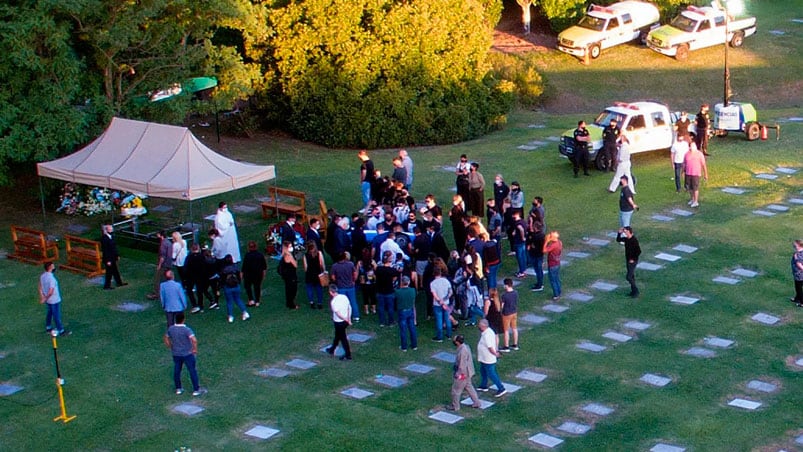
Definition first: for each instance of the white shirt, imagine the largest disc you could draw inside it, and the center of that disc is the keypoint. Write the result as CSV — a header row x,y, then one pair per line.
x,y
441,289
391,245
484,346
340,305
179,252
624,153
679,150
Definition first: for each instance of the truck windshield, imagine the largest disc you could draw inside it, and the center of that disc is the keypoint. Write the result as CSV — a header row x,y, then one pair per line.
x,y
605,117
592,23
683,23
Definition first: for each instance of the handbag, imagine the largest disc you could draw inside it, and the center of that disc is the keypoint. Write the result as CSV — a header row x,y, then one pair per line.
x,y
323,278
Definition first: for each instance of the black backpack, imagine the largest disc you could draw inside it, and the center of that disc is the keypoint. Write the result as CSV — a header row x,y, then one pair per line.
x,y
232,280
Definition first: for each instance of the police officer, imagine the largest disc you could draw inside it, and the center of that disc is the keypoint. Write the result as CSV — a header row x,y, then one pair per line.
x,y
581,142
610,134
703,123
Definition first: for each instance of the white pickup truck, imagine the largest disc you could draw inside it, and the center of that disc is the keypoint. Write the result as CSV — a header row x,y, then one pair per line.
x,y
649,126
607,26
699,27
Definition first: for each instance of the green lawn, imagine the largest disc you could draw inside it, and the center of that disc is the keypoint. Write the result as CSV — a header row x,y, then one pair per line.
x,y
118,373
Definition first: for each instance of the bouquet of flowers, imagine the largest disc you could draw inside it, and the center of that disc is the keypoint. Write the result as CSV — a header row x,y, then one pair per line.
x,y
77,200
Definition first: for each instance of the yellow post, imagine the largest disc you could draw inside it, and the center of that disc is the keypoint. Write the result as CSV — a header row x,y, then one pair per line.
x,y
59,382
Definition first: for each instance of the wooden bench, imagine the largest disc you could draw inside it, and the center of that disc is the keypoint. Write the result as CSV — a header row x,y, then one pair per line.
x,y
83,256
32,246
279,204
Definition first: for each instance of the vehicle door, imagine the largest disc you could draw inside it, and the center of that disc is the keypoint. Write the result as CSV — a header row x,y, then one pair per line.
x,y
707,35
637,133
661,134
628,33
614,33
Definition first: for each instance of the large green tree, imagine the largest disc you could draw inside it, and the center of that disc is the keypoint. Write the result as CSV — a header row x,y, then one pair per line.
x,y
386,72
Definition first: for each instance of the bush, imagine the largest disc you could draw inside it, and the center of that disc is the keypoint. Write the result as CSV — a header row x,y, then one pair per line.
x,y
520,72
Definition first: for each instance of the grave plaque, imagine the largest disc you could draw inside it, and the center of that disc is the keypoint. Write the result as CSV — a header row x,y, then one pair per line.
x,y
533,319
575,428
445,357
300,364
655,380
578,254
445,417
667,257
649,266
598,242
685,248
744,403
9,389
726,280
797,201
188,409
598,409
718,342
734,190
130,306
261,432
244,208
591,347
682,212
661,447
764,213
766,176
527,147
273,372
618,337
484,404
701,352
662,218
682,299
784,170
555,308
356,393
419,369
582,297
528,375
765,318
778,208
511,388
542,439
390,381
603,286
636,325
761,386
744,272
358,337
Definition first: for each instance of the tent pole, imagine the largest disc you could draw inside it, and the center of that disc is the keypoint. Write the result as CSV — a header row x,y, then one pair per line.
x,y
42,198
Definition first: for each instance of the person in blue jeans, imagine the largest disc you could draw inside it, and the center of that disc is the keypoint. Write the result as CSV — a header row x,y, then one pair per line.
x,y
441,290
518,240
535,248
386,274
231,288
487,355
183,344
367,177
50,296
405,303
553,248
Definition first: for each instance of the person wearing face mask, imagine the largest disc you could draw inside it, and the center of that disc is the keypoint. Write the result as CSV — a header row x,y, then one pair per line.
x,y
476,198
314,233
501,191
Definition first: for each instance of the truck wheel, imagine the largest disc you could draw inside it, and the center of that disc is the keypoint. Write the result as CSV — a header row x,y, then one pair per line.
x,y
602,162
752,131
682,53
738,39
594,51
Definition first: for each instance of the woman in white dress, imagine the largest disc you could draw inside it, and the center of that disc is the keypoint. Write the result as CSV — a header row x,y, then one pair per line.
x,y
623,165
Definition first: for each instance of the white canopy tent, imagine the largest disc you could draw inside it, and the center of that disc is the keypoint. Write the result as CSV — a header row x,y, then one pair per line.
x,y
156,160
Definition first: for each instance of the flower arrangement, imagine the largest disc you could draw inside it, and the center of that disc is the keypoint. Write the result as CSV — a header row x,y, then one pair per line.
x,y
79,200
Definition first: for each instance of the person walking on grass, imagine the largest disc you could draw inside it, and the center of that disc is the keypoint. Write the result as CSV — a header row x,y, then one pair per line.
x,y
632,253
797,272
441,290
510,308
50,296
627,203
487,355
163,263
694,167
462,375
231,277
174,301
405,304
341,317
553,247
110,257
181,341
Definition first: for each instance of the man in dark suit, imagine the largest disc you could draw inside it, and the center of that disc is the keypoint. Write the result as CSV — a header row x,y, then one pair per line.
x,y
110,257
314,234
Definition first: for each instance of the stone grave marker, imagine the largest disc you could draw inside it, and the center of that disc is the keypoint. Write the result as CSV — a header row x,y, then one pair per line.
x,y
390,381
77,229
527,147
96,281
9,389
766,319
766,176
612,234
778,208
785,170
799,440
449,168
448,418
582,297
655,380
555,308
682,212
598,409
662,447
618,337
734,190
2,355
300,364
685,248
273,372
604,286
591,347
445,357
553,139
419,369
338,351
700,352
777,32
548,441
799,362
261,432
649,266
574,428
356,393
797,201
529,375
636,325
537,143
718,342
597,242
578,254
131,306
531,319
744,403
662,218
484,404
187,409
358,337
511,388
536,126
667,257
761,386
682,299
162,208
726,280
764,213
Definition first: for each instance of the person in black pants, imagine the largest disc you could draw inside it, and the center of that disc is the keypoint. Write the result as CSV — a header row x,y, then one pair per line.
x,y
341,317
632,253
703,123
254,268
610,134
581,143
110,256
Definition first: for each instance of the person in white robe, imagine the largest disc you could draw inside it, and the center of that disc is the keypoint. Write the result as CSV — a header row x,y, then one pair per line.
x,y
224,223
623,166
